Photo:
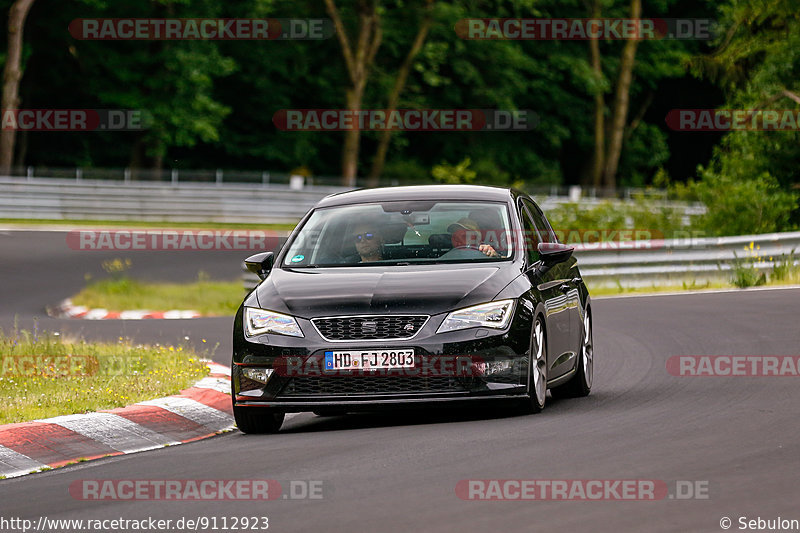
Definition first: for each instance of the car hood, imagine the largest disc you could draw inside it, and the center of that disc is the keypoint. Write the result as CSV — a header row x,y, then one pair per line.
x,y
431,289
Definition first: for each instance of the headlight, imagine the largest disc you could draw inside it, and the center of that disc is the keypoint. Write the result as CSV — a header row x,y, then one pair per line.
x,y
489,315
258,321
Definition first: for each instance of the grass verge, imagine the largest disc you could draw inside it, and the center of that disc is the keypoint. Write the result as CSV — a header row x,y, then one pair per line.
x,y
610,291
45,375
207,297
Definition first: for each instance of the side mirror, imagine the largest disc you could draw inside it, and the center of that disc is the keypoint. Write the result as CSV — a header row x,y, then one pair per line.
x,y
553,253
260,264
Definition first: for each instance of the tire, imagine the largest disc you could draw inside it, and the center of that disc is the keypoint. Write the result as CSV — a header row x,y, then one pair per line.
x,y
537,369
254,419
581,383
257,419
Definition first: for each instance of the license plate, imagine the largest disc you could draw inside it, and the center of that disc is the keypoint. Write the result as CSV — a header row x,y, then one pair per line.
x,y
369,359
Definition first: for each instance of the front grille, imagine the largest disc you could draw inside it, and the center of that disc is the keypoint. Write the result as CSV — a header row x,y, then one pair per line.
x,y
353,386
355,328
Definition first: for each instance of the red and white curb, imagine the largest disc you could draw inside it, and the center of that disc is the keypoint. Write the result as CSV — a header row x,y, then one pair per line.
x,y
66,309
198,412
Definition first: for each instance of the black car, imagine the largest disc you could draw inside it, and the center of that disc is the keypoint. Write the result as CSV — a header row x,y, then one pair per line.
x,y
401,296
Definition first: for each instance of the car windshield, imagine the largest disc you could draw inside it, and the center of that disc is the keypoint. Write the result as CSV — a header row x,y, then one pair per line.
x,y
402,233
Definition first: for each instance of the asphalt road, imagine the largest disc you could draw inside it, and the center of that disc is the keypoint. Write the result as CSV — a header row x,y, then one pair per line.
x,y
739,436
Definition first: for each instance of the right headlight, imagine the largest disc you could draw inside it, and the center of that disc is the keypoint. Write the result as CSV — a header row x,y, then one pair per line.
x,y
489,315
260,321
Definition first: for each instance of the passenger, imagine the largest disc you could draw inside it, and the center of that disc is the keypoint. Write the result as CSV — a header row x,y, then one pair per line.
x,y
368,241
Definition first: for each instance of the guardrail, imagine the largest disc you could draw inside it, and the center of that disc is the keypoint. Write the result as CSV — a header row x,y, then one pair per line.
x,y
259,203
677,261
220,176
57,199
692,260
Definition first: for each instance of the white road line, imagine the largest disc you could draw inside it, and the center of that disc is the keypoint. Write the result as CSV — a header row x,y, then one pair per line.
x,y
132,315
95,314
217,368
178,313
112,430
218,384
208,417
13,464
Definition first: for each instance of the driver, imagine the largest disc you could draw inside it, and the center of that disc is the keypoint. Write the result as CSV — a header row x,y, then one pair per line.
x,y
465,233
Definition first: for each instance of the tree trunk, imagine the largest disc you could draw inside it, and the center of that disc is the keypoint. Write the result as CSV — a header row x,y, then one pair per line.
x,y
598,157
352,138
358,62
394,96
621,103
12,74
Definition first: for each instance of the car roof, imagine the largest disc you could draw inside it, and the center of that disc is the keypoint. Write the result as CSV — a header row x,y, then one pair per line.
x,y
417,192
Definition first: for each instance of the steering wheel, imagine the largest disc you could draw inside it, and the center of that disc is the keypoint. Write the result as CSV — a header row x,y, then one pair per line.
x,y
464,248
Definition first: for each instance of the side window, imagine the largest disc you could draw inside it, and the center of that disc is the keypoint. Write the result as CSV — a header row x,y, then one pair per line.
x,y
546,232
532,237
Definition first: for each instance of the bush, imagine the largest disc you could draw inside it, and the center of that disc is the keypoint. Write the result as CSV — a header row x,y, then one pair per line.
x,y
639,214
740,206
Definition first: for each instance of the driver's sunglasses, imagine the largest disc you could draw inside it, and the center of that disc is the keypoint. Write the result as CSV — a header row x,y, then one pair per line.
x,y
362,236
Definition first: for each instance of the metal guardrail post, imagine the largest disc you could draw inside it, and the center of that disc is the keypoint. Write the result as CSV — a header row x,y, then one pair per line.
x,y
174,176
219,177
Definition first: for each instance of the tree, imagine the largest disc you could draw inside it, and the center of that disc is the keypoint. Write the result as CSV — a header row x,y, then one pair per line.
x,y
12,74
173,81
358,59
622,99
397,89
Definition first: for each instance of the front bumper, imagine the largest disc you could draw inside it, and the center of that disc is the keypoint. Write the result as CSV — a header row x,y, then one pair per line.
x,y
500,372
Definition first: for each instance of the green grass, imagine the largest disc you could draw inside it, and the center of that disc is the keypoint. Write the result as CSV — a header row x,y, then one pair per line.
x,y
608,291
209,298
143,224
45,375
790,279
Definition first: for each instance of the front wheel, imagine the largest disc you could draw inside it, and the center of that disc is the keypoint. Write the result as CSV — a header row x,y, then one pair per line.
x,y
537,383
257,419
581,383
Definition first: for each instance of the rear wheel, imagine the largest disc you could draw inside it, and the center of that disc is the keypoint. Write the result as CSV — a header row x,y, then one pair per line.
x,y
581,383
258,419
537,386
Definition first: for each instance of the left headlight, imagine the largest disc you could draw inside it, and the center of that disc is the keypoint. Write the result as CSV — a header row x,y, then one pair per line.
x,y
489,315
258,321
